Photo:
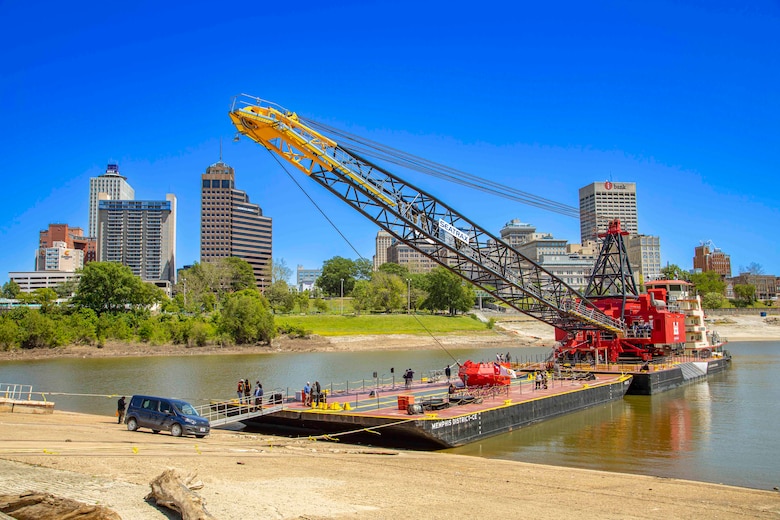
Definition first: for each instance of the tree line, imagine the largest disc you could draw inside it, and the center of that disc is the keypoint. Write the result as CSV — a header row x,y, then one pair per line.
x,y
712,288
215,302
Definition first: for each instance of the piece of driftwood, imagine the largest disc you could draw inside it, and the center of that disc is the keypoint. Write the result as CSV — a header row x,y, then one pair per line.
x,y
34,505
171,490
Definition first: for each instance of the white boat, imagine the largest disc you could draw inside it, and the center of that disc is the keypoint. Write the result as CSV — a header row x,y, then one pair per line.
x,y
699,340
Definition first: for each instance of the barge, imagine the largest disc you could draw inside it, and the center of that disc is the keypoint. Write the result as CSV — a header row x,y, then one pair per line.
x,y
433,416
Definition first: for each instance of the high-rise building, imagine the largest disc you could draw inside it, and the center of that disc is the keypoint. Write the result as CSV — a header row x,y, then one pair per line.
x,y
644,255
73,237
707,257
383,241
402,254
516,233
539,246
232,226
601,202
60,257
140,234
111,183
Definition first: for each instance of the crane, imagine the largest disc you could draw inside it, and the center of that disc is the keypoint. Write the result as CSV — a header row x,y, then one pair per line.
x,y
431,227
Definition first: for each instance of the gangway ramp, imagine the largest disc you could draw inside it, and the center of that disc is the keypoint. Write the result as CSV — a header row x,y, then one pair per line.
x,y
229,412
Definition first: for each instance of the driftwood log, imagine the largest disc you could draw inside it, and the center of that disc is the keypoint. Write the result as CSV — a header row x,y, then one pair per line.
x,y
33,505
170,490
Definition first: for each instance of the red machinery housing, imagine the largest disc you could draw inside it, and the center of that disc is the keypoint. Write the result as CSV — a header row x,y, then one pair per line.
x,y
649,328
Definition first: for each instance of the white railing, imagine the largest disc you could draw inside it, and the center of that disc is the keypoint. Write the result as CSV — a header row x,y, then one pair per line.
x,y
16,392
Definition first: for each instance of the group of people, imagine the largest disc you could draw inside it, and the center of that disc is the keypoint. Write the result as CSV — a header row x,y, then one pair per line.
x,y
246,395
501,358
642,329
312,394
541,379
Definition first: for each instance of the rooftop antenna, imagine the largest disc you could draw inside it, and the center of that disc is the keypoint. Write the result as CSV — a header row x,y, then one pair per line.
x,y
220,149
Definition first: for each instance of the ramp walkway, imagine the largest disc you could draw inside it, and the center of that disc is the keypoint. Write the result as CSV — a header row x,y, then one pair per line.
x,y
691,371
229,412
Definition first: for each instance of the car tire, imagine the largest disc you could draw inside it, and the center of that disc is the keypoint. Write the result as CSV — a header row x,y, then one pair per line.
x,y
176,430
155,431
132,424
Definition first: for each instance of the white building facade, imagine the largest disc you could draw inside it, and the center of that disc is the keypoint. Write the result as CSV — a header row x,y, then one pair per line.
x,y
112,184
601,202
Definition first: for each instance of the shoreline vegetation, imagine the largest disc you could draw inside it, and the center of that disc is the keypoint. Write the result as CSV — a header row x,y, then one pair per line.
x,y
341,333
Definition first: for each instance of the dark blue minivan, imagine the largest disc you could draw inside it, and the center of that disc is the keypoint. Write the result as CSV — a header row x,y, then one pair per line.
x,y
161,413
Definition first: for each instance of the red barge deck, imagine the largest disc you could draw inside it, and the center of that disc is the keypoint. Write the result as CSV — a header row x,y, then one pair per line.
x,y
426,416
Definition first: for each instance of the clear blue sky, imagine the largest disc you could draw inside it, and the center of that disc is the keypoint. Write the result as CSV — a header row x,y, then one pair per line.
x,y
680,97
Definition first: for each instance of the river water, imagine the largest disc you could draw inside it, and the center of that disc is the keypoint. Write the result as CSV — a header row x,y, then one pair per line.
x,y
720,430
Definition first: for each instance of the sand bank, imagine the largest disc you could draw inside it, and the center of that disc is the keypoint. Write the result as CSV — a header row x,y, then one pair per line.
x,y
94,460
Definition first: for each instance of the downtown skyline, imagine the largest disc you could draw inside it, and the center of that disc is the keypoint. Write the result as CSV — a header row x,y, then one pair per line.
x,y
679,97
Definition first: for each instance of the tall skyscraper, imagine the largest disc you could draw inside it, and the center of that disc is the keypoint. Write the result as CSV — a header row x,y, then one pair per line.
x,y
232,226
383,241
140,234
601,202
111,183
644,255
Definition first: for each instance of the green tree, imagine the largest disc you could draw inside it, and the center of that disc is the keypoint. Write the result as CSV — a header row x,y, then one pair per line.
x,y
38,330
364,269
320,305
108,287
362,296
303,301
45,296
674,272
66,289
388,292
11,289
200,287
239,273
246,318
708,282
447,291
401,271
9,333
333,272
713,300
279,297
745,293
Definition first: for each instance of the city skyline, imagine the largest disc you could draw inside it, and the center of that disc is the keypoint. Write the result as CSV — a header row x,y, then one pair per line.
x,y
679,98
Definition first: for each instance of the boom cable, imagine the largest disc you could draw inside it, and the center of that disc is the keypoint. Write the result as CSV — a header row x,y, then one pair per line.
x,y
407,160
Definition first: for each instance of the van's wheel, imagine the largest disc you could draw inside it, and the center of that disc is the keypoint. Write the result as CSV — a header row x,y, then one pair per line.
x,y
176,430
132,424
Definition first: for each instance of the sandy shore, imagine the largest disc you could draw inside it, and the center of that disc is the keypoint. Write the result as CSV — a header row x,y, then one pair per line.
x,y
94,460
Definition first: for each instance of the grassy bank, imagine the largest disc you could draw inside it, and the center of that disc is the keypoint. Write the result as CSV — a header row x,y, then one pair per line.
x,y
349,325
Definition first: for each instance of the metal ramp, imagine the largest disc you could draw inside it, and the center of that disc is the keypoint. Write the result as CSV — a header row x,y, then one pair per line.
x,y
229,412
691,371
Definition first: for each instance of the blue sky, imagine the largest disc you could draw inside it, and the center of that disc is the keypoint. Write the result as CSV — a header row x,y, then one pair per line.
x,y
680,97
